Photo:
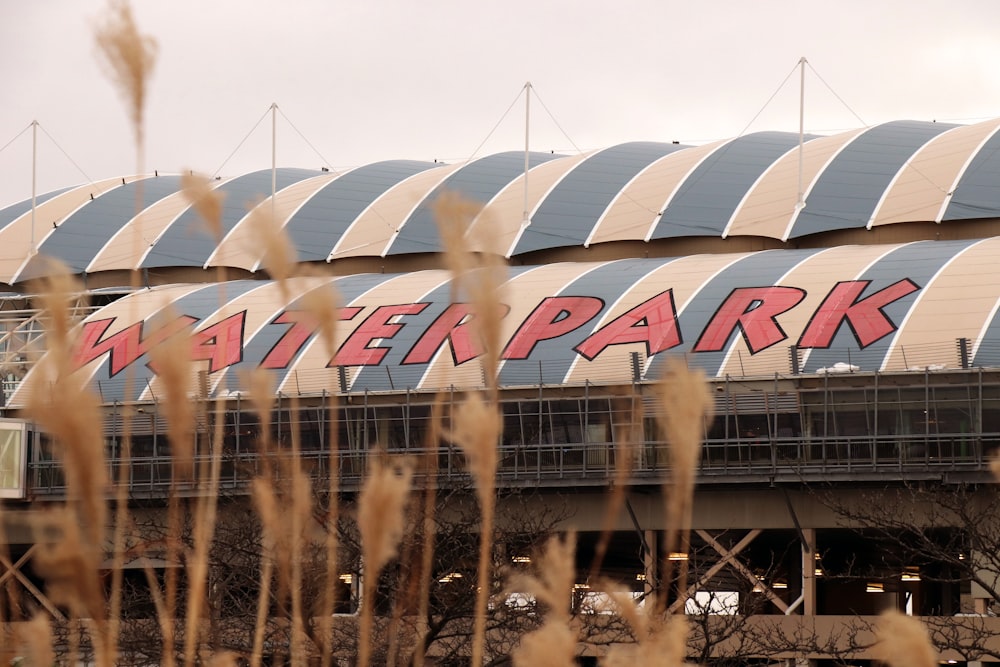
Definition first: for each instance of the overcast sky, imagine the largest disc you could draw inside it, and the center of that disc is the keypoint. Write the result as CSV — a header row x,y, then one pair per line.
x,y
367,80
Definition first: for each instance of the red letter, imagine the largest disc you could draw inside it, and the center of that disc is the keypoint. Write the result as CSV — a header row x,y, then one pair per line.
x,y
125,346
554,317
355,350
865,316
447,327
753,310
653,322
220,344
303,327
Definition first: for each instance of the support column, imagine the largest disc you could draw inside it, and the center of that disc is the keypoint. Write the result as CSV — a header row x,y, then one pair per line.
x,y
650,561
809,572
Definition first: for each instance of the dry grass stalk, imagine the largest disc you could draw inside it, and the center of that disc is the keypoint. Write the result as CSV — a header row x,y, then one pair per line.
x,y
129,58
477,428
659,640
433,439
485,292
301,506
70,413
224,659
381,520
206,200
903,641
172,360
554,643
323,303
453,214
204,530
36,635
683,405
266,501
259,383
476,276
627,440
69,563
279,257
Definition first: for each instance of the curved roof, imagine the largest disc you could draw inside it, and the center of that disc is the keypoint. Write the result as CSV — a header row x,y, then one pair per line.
x,y
898,172
864,308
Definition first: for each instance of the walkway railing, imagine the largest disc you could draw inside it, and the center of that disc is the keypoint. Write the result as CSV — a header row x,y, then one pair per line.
x,y
576,464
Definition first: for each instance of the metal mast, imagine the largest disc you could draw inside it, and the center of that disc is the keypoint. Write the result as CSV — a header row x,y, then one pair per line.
x,y
34,170
274,153
525,221
800,203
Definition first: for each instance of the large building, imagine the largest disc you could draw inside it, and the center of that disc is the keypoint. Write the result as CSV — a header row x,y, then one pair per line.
x,y
841,293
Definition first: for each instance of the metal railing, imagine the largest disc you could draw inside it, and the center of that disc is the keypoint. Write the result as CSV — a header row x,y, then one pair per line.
x,y
587,463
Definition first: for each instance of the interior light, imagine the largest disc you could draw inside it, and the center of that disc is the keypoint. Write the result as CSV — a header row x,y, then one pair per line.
x,y
875,587
640,577
347,578
910,574
677,555
779,583
521,559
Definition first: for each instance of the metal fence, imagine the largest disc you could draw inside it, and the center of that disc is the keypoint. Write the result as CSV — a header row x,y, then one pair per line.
x,y
576,464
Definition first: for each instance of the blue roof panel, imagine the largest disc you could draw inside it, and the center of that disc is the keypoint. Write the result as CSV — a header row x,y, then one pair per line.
x,y
848,190
707,198
85,232
317,226
186,241
11,213
569,212
977,194
480,181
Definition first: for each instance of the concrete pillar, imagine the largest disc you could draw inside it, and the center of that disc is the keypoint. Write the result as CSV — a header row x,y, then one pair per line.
x,y
809,572
649,561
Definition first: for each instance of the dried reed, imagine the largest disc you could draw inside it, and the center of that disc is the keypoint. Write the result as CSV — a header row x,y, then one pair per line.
x,y
430,462
68,410
322,303
381,514
683,403
554,643
476,276
477,424
660,640
206,201
627,440
279,257
903,641
260,384
37,637
476,430
128,57
70,413
172,360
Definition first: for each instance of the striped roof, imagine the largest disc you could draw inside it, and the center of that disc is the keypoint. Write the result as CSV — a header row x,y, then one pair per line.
x,y
898,172
863,308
